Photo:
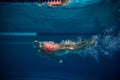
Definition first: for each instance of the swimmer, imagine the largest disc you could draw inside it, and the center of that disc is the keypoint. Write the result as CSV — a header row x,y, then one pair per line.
x,y
52,3
52,50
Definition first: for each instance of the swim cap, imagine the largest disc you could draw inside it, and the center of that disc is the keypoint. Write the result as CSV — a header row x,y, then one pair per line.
x,y
36,44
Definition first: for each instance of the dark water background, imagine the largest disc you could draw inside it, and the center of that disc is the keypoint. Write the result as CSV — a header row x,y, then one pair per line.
x,y
19,61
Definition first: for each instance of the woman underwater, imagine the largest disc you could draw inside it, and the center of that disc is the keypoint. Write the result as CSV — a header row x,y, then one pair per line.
x,y
52,50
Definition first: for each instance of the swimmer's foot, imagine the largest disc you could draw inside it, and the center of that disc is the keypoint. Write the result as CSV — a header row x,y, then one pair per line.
x,y
93,41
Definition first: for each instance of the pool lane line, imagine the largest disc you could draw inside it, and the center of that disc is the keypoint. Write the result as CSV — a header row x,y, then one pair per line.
x,y
21,1
55,34
17,34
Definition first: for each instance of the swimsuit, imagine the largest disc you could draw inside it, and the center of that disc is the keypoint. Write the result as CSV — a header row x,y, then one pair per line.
x,y
48,48
52,3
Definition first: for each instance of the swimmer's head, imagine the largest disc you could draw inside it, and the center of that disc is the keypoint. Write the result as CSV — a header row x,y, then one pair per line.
x,y
36,44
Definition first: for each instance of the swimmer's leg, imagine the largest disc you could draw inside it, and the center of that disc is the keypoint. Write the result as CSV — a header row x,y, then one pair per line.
x,y
85,44
90,41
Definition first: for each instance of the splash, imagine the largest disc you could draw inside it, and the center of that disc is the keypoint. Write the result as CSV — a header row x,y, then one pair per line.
x,y
107,44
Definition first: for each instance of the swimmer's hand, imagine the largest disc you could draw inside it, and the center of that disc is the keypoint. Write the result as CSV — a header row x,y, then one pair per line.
x,y
61,61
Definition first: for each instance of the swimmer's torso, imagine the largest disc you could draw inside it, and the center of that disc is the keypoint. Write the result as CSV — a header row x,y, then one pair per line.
x,y
48,48
51,47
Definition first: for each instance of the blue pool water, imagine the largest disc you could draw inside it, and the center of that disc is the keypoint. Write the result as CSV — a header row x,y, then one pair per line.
x,y
20,24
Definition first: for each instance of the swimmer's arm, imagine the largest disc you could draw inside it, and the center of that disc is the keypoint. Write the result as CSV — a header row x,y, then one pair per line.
x,y
41,54
51,57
